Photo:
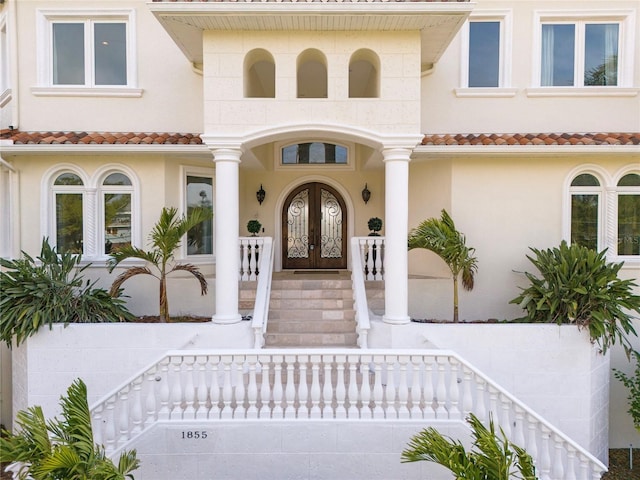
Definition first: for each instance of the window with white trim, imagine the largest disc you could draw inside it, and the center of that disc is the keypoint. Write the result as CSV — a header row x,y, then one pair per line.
x,y
603,213
86,49
586,194
199,194
92,216
484,54
628,218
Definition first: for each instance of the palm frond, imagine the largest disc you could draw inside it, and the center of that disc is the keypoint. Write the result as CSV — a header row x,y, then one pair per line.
x,y
195,271
129,251
126,275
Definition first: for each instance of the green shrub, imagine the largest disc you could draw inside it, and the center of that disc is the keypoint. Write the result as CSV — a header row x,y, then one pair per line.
x,y
51,290
492,457
578,286
62,448
633,384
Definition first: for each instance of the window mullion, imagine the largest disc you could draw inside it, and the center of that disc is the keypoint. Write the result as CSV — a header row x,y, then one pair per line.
x,y
580,53
89,54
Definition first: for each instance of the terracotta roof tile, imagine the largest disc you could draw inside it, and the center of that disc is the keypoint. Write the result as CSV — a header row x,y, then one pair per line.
x,y
534,139
106,138
133,138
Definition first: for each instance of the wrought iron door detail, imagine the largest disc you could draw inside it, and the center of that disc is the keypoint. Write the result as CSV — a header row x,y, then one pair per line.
x,y
330,225
298,226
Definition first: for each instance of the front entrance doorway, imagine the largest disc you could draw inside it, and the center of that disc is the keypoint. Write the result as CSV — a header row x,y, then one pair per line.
x,y
314,228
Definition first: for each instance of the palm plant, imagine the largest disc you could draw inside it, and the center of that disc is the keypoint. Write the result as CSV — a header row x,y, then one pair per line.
x,y
441,237
493,458
165,239
62,449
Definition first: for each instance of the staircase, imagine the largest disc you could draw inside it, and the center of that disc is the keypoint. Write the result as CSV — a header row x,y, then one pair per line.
x,y
311,310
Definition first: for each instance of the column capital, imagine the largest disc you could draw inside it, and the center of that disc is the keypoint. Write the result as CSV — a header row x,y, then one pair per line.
x,y
395,154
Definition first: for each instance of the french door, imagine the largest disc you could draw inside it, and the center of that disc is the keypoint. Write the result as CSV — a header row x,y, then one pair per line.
x,y
314,228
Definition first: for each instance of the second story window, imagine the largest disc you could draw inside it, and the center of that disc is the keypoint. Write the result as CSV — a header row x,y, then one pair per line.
x,y
89,53
85,51
484,54
314,153
579,54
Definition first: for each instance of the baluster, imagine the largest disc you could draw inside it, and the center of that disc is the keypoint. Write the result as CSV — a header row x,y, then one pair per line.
x,y
189,389
327,387
364,252
150,402
352,391
227,389
341,390
374,256
303,387
240,407
454,389
416,391
378,391
290,390
366,392
403,388
480,410
441,389
110,425
545,454
136,406
467,396
381,259
532,442
429,410
265,389
493,403
176,389
165,390
315,411
214,390
571,464
518,431
505,421
244,264
256,269
390,387
584,469
278,391
202,390
123,413
557,469
98,423
252,388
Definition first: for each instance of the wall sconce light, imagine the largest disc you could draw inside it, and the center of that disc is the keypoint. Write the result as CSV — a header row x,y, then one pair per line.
x,y
260,194
366,194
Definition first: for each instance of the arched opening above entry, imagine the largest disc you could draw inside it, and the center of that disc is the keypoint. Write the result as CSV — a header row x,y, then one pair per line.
x,y
312,74
364,74
259,74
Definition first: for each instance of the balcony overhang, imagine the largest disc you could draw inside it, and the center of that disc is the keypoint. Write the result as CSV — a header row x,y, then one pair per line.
x,y
438,22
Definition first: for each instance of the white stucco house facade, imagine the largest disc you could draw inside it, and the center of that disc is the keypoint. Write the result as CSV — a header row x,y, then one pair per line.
x,y
520,118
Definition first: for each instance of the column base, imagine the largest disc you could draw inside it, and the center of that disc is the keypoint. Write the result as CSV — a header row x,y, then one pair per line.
x,y
392,320
226,319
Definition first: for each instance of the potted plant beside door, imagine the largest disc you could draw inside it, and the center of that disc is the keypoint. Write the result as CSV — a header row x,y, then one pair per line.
x,y
375,225
254,227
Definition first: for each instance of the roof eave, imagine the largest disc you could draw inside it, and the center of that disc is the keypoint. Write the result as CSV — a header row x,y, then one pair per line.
x,y
430,151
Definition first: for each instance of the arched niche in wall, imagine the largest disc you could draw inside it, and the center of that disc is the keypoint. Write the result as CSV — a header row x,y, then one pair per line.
x,y
364,74
312,74
259,74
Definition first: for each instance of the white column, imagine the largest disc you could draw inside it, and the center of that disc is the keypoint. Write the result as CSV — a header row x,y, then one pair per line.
x,y
226,217
396,286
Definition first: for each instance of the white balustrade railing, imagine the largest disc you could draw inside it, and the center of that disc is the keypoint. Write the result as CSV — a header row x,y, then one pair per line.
x,y
371,251
263,293
361,307
352,385
251,249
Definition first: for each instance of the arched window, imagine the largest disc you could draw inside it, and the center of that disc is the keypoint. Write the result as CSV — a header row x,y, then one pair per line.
x,y
314,153
68,201
586,193
259,74
364,68
312,74
116,208
628,193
